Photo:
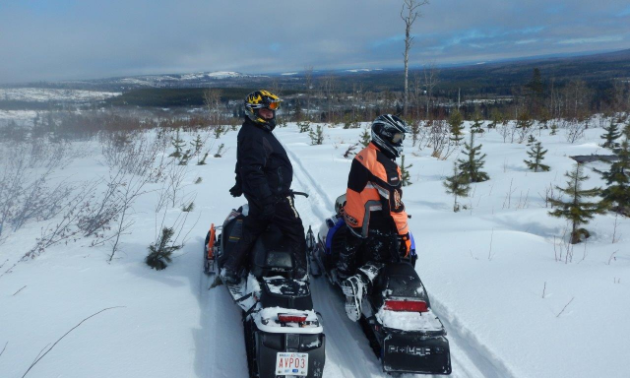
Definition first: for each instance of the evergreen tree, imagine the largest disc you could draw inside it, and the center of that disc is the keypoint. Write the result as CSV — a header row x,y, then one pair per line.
x,y
617,193
178,143
404,172
366,137
476,126
524,124
612,133
531,140
554,129
456,121
456,185
496,118
537,154
317,136
162,250
472,165
576,210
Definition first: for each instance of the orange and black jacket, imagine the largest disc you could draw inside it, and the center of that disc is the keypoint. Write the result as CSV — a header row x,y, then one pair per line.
x,y
374,195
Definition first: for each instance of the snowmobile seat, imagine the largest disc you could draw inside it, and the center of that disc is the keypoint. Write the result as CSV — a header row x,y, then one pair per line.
x,y
398,280
271,255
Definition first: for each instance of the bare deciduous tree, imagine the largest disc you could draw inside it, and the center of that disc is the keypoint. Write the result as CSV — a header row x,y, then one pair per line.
x,y
409,14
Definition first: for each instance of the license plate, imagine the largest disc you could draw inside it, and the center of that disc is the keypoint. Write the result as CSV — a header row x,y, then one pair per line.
x,y
292,364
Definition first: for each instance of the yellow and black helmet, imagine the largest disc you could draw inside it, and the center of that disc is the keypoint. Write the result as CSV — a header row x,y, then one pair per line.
x,y
258,100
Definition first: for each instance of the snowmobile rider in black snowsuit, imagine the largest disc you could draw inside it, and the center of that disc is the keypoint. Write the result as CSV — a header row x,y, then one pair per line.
x,y
264,174
374,213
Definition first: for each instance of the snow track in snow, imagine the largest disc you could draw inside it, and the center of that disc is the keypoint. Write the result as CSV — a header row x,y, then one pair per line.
x,y
347,349
220,351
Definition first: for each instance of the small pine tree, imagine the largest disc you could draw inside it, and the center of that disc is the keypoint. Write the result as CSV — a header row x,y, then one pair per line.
x,y
178,143
219,151
162,250
304,126
531,140
366,137
524,124
496,118
477,123
617,193
576,210
457,186
218,130
471,166
185,157
554,129
537,154
456,121
612,133
203,160
404,172
197,145
317,136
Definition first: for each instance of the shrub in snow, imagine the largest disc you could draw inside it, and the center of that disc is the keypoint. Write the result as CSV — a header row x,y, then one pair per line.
x,y
178,143
617,194
455,122
162,250
496,117
218,154
304,126
457,186
612,133
576,209
366,137
523,124
537,154
473,163
476,126
404,172
317,136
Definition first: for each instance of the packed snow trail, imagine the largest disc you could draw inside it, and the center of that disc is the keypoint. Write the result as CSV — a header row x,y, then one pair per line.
x,y
220,343
348,353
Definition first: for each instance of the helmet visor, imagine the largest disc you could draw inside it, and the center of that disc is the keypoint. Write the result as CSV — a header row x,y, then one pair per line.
x,y
398,138
275,105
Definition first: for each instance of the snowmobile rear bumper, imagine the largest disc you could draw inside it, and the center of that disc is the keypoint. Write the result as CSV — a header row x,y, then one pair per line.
x,y
415,353
270,344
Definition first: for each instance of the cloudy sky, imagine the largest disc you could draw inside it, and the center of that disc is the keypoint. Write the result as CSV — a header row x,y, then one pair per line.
x,y
81,39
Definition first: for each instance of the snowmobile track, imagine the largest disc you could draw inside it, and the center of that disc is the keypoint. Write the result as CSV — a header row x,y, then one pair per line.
x,y
347,349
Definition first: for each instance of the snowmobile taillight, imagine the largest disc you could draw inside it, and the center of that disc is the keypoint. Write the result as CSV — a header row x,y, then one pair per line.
x,y
292,318
406,305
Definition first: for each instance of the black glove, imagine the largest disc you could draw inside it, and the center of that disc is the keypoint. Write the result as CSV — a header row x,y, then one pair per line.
x,y
236,190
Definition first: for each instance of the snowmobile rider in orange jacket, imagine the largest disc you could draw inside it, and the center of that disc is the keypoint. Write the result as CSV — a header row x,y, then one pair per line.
x,y
374,212
264,175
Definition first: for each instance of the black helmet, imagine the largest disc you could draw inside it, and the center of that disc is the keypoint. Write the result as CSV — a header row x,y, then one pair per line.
x,y
388,132
258,100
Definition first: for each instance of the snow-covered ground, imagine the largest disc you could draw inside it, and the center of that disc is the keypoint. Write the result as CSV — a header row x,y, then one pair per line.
x,y
511,308
52,94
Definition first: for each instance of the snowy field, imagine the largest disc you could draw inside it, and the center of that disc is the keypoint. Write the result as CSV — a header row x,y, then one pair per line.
x,y
497,272
52,94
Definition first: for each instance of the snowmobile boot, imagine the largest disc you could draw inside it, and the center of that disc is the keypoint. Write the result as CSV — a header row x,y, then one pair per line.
x,y
230,277
354,288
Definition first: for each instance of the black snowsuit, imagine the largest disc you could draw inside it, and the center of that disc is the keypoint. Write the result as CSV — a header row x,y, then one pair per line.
x,y
264,173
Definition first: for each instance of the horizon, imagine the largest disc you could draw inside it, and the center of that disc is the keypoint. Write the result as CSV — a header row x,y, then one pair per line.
x,y
88,40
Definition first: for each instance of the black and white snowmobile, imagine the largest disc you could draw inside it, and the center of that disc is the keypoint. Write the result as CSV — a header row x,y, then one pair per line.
x,y
284,336
396,316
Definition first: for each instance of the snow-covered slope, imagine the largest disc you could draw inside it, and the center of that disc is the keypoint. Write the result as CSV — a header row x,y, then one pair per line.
x,y
55,95
511,309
